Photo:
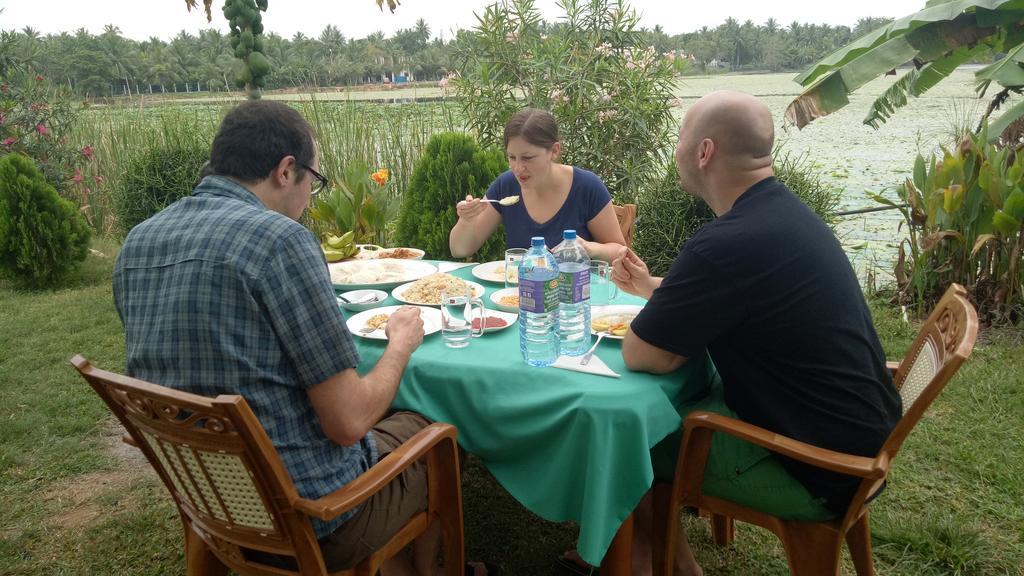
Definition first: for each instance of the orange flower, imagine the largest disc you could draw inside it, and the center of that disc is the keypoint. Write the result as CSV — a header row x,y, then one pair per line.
x,y
381,176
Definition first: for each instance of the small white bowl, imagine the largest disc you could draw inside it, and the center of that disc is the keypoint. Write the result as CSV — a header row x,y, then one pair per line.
x,y
358,298
497,295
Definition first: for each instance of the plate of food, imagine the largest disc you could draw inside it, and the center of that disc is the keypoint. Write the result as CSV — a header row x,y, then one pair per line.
x,y
493,272
371,323
427,290
377,273
506,299
401,253
613,320
374,252
495,320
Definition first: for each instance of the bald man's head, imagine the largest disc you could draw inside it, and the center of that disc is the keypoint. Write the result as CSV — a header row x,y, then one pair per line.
x,y
739,124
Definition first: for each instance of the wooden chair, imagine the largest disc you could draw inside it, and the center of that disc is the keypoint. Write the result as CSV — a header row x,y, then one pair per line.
x,y
813,549
233,492
627,220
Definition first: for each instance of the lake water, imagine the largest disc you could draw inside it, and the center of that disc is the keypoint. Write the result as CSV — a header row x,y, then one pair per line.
x,y
855,157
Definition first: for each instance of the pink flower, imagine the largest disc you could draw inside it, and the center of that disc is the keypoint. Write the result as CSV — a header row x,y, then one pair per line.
x,y
77,178
39,78
9,141
87,152
42,130
98,179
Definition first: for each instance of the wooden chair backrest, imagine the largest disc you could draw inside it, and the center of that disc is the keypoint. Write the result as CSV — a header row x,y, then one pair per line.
x,y
626,215
944,342
219,465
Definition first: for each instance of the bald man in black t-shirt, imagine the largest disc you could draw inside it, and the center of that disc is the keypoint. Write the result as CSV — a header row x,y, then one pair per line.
x,y
767,291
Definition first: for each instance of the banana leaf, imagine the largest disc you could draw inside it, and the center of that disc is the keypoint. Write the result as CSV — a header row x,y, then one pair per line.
x,y
934,33
995,128
917,82
1009,71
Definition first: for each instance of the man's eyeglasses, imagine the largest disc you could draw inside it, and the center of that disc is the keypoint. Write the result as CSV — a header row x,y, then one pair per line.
x,y
321,181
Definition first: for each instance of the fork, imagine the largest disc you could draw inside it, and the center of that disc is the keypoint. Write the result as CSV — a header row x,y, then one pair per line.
x,y
367,330
590,353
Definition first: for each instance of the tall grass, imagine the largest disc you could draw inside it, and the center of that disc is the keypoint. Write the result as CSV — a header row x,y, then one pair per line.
x,y
391,137
119,134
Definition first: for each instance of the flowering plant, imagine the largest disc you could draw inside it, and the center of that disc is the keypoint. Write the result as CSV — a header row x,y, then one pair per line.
x,y
381,176
36,119
361,202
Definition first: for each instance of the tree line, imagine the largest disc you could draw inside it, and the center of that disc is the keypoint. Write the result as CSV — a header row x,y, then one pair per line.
x,y
108,64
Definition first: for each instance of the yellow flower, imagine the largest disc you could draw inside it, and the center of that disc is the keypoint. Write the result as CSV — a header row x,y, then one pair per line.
x,y
381,176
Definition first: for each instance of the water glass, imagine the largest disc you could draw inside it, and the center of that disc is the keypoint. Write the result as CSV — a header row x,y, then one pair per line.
x,y
457,319
513,256
602,288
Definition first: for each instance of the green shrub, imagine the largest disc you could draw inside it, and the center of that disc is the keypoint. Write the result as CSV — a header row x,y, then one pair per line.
x,y
154,178
452,166
667,217
42,236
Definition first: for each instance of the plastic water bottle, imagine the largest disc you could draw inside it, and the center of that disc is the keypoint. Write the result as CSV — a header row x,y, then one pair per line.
x,y
574,295
538,305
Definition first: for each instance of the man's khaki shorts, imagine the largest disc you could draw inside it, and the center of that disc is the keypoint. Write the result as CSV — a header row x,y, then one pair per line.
x,y
382,515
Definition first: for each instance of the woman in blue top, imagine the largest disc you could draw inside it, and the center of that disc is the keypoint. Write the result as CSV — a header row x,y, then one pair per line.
x,y
553,197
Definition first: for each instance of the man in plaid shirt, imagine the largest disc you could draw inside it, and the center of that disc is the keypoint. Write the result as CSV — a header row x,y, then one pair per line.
x,y
224,292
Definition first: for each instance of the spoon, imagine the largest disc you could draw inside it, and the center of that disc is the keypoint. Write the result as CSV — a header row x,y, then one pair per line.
x,y
364,300
506,201
590,353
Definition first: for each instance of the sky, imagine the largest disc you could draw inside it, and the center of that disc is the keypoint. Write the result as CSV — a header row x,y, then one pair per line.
x,y
142,19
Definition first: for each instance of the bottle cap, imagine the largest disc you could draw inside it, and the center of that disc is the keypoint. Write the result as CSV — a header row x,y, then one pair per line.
x,y
537,241
569,235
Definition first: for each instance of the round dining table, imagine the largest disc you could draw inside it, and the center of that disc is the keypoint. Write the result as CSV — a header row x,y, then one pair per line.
x,y
568,445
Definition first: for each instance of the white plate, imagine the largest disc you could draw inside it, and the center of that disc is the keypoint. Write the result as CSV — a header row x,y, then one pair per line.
x,y
384,273
431,321
509,318
497,295
598,312
386,253
490,271
398,293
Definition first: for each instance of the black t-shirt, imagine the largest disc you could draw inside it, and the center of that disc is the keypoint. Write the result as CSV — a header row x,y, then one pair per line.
x,y
768,291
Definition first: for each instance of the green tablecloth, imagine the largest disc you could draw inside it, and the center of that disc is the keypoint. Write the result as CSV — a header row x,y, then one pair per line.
x,y
567,445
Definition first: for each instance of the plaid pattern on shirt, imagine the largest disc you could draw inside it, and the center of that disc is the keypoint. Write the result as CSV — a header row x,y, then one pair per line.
x,y
219,295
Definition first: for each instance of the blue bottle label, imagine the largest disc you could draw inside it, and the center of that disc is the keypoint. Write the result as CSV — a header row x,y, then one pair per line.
x,y
538,296
575,286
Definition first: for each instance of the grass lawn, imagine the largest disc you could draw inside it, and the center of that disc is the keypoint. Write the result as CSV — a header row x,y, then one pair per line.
x,y
75,502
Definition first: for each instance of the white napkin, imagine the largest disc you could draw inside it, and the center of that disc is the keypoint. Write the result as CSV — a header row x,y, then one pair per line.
x,y
595,366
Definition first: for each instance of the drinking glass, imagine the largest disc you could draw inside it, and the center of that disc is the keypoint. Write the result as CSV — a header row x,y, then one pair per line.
x,y
457,319
513,256
602,288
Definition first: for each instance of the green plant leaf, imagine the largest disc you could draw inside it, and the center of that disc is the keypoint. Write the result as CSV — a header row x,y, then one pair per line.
x,y
925,36
995,129
1007,71
1014,204
1006,225
917,82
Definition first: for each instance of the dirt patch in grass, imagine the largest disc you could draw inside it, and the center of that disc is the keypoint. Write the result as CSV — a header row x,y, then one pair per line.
x,y
77,502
